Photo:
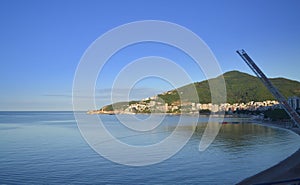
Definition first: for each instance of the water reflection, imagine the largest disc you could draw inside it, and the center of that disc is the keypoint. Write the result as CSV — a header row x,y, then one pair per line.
x,y
239,135
47,147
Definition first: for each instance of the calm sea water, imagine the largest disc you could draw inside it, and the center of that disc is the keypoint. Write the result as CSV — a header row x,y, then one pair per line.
x,y
47,148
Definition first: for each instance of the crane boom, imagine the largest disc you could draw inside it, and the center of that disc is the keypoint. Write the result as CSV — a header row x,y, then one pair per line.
x,y
291,112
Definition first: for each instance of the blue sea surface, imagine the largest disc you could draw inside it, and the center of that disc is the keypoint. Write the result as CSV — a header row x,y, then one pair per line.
x,y
47,148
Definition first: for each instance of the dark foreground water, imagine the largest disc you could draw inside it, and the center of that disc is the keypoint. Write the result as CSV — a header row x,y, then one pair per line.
x,y
47,148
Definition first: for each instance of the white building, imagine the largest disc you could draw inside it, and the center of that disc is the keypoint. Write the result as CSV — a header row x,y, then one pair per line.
x,y
294,101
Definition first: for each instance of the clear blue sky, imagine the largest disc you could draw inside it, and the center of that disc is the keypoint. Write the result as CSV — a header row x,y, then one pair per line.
x,y
43,41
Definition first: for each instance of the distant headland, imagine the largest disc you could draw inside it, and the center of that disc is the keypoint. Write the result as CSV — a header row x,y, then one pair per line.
x,y
244,93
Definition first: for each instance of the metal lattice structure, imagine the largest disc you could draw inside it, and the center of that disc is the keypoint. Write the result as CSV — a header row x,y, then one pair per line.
x,y
284,104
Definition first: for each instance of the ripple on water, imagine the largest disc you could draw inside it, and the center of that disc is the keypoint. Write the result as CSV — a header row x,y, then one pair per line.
x,y
47,153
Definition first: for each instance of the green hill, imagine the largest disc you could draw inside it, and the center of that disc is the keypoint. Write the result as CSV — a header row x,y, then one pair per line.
x,y
240,87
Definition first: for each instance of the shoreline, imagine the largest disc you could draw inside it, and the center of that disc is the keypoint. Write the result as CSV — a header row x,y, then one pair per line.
x,y
287,169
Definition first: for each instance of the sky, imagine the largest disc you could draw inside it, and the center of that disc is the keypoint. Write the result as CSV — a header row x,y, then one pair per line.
x,y
42,43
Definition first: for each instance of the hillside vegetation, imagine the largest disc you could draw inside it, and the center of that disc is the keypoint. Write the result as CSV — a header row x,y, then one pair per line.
x,y
240,87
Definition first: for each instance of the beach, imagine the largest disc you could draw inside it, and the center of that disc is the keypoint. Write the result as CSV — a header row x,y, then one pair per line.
x,y
285,170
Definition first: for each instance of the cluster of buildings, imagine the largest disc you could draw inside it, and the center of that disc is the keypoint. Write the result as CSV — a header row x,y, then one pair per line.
x,y
250,106
190,107
157,105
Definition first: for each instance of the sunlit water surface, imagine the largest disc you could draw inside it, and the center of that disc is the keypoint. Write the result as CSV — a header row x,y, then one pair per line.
x,y
47,148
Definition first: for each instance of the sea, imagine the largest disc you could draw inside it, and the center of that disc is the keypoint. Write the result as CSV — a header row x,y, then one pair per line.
x,y
49,148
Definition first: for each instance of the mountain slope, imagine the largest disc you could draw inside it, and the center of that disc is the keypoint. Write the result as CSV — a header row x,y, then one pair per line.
x,y
240,87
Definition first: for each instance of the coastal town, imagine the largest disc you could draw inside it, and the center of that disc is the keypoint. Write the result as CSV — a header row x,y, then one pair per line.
x,y
157,105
